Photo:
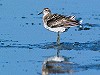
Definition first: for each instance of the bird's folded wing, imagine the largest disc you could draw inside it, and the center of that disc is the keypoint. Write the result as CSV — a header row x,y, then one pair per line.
x,y
60,21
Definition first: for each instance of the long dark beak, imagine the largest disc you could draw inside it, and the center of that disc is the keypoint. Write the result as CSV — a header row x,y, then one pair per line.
x,y
40,13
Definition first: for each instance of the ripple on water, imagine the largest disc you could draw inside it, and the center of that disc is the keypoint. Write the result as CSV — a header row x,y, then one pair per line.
x,y
93,46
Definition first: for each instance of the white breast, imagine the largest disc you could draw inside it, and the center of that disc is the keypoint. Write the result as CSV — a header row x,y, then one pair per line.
x,y
57,29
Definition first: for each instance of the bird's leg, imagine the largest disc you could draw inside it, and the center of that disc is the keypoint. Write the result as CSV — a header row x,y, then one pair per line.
x,y
58,44
58,39
58,51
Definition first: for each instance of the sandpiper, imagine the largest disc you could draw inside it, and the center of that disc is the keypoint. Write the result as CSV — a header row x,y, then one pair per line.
x,y
58,23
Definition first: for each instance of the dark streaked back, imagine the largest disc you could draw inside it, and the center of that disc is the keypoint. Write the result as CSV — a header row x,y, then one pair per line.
x,y
56,20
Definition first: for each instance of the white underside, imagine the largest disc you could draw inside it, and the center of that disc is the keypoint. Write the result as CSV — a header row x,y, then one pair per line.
x,y
58,29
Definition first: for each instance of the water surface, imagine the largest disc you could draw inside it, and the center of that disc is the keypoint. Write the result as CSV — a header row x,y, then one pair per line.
x,y
25,44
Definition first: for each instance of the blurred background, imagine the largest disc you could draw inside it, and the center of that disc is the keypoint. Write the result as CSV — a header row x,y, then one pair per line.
x,y
25,44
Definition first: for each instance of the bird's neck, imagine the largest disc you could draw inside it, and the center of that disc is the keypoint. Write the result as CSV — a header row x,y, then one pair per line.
x,y
46,14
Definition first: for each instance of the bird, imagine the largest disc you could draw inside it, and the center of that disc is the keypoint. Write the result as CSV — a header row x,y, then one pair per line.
x,y
58,23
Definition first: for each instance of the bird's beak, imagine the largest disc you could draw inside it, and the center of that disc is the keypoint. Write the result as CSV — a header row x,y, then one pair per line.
x,y
40,13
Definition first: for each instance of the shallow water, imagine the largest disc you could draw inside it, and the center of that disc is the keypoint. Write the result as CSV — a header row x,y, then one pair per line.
x,y
25,44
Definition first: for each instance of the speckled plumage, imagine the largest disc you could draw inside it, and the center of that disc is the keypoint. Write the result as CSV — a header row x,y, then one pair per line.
x,y
57,22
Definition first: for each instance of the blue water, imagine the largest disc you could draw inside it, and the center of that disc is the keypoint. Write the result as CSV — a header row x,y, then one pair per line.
x,y
25,44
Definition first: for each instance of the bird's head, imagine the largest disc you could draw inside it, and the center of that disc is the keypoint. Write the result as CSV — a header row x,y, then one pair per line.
x,y
45,11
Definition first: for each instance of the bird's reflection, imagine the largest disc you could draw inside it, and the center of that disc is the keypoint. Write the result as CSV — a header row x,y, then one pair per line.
x,y
58,65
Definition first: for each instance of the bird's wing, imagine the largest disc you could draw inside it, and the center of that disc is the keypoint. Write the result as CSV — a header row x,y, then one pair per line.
x,y
57,20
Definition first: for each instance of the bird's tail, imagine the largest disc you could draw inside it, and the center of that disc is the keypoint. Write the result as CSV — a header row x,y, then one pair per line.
x,y
79,20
